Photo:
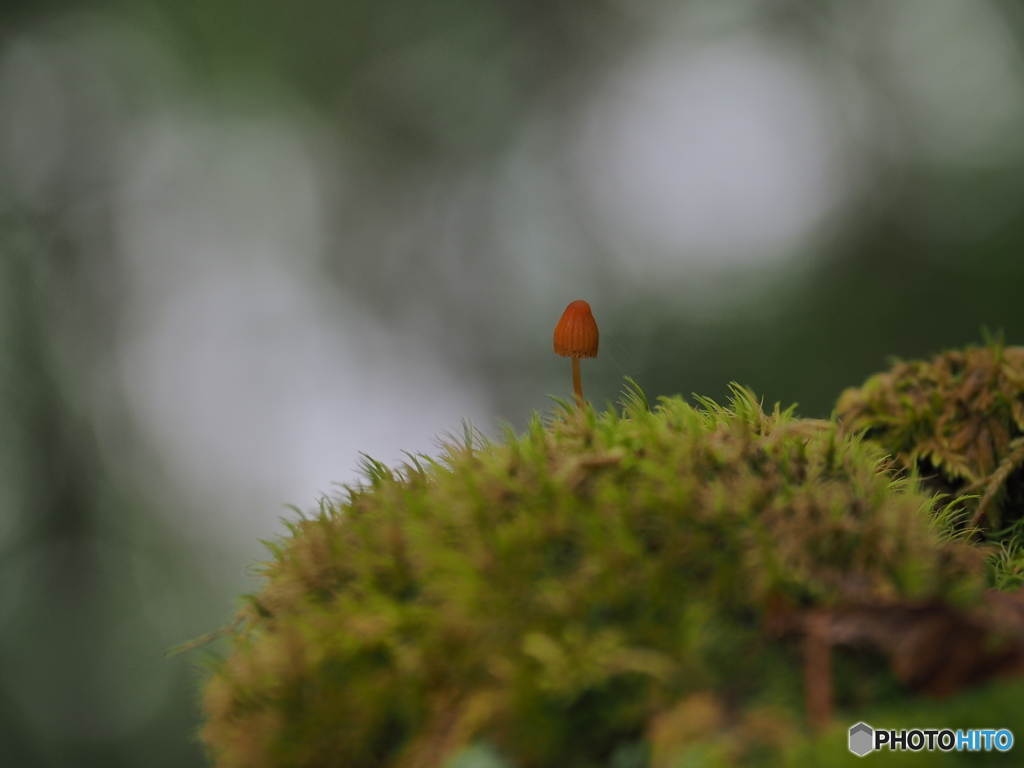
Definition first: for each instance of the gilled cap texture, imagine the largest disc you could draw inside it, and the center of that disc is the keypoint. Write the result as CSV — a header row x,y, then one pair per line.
x,y
576,333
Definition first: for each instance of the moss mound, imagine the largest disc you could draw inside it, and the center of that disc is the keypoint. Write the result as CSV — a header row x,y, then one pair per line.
x,y
593,592
957,420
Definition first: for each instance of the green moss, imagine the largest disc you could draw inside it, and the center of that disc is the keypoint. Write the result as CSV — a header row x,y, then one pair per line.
x,y
956,420
593,592
996,705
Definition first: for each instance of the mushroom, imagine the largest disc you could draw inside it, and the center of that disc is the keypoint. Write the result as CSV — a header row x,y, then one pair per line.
x,y
576,336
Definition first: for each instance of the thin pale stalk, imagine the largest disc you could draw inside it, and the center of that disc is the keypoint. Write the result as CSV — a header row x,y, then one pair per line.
x,y
576,385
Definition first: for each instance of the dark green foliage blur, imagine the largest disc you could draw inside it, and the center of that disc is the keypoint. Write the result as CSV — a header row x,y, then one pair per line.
x,y
996,703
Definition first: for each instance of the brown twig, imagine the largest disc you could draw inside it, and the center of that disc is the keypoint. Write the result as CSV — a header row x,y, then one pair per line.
x,y
995,481
818,671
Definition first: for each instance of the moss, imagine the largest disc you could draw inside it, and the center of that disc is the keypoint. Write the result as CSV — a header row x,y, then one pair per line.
x,y
956,420
982,707
587,593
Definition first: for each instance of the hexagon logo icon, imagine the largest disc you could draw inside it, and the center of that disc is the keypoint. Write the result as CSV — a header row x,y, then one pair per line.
x,y
862,737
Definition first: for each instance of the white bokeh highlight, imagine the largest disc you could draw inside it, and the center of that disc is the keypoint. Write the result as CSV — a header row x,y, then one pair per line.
x,y
710,156
256,382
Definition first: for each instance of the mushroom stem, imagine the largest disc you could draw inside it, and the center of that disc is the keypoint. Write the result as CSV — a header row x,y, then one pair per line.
x,y
576,385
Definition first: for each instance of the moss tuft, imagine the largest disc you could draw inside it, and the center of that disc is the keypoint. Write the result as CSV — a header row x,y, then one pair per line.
x,y
585,594
957,421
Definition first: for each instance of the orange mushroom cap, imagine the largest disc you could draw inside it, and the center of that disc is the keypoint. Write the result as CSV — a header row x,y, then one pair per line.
x,y
576,333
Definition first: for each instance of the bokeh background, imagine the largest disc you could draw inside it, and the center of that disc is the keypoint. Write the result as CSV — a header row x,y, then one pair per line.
x,y
242,242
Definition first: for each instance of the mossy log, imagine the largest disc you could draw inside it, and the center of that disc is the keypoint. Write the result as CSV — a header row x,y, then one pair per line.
x,y
956,420
604,589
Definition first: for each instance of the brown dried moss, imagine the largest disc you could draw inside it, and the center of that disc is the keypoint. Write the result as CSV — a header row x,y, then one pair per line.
x,y
958,421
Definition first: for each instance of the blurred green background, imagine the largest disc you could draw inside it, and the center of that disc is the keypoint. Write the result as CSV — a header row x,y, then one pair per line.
x,y
241,242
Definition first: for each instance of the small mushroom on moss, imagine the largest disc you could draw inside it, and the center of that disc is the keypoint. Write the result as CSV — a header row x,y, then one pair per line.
x,y
576,336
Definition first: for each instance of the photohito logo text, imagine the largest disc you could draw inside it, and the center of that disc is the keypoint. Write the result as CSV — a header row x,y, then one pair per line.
x,y
864,739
